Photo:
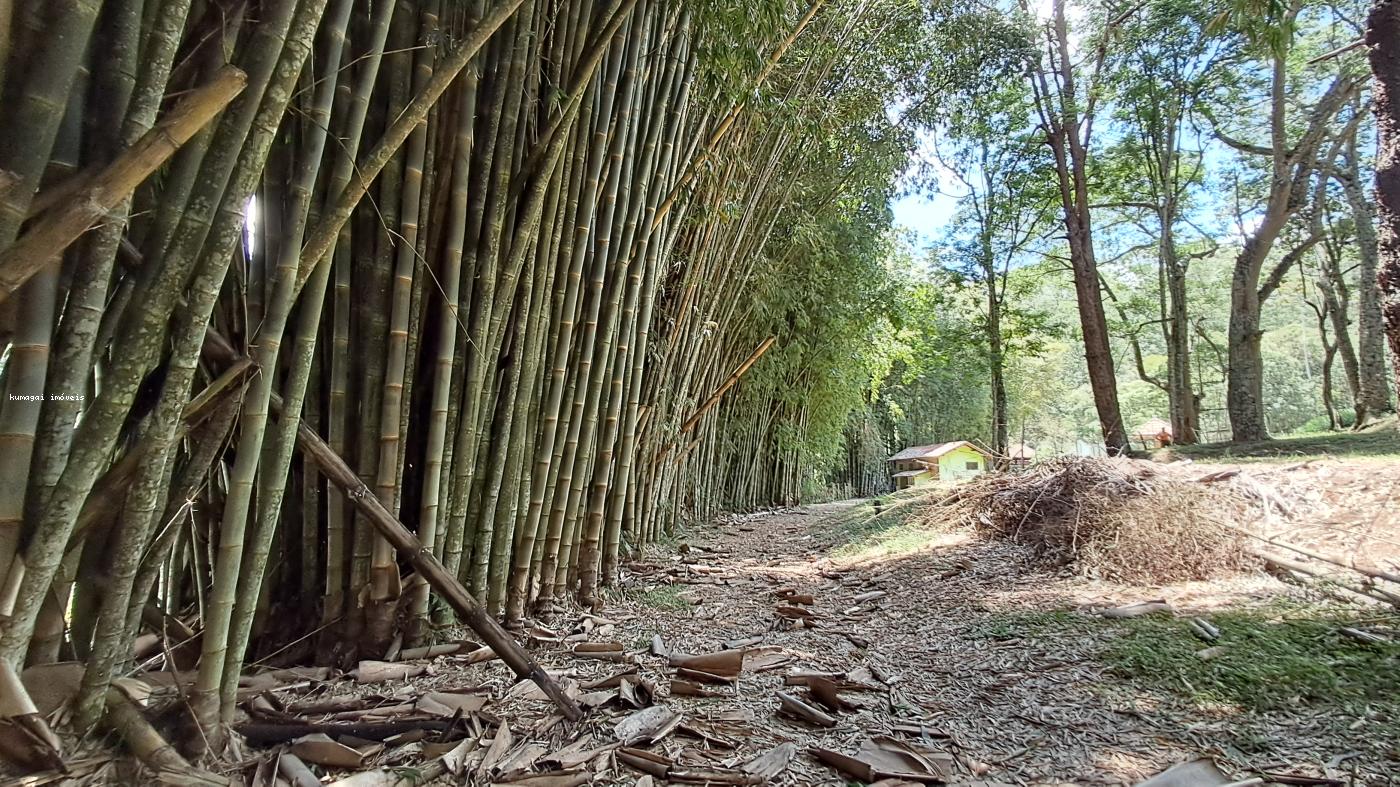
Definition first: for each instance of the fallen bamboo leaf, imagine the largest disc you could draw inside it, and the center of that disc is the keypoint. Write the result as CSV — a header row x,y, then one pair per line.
x,y
772,762
273,678
795,613
793,707
862,676
527,689
842,680
871,596
883,675
379,777
455,759
856,639
800,677
596,699
745,642
541,634
710,775
767,659
577,753
52,686
519,762
707,734
318,748
1136,610
706,677
647,725
25,737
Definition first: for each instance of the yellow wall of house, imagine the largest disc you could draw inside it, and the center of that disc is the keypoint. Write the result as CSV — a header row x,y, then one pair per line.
x,y
955,465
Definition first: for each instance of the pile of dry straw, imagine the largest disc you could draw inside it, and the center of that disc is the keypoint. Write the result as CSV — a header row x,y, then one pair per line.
x,y
1117,519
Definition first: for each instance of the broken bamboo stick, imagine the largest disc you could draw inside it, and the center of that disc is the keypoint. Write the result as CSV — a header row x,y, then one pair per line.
x,y
125,718
429,567
1373,593
729,382
52,232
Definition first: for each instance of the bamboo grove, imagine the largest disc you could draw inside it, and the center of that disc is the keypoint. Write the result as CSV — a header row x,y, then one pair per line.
x,y
508,261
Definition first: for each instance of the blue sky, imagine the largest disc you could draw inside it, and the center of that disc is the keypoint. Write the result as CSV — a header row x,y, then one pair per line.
x,y
924,214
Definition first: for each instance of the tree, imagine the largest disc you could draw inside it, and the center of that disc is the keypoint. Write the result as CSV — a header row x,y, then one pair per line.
x,y
1066,106
1156,77
1289,161
1383,52
1005,210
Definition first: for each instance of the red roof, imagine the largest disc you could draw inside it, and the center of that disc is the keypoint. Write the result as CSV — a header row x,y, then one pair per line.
x,y
933,451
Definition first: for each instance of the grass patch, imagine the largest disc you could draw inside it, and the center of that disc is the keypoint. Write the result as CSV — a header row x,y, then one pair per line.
x,y
889,525
1380,441
664,597
1276,658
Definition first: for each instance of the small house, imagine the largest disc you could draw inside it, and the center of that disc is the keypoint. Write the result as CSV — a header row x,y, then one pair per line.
x,y
1153,433
926,464
1021,456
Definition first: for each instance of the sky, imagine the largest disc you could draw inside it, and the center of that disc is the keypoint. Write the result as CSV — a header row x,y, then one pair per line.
x,y
924,214
923,207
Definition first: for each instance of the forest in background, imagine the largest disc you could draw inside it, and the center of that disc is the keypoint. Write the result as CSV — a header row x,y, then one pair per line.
x,y
328,325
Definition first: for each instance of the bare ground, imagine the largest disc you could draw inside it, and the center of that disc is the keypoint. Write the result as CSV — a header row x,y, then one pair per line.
x,y
969,648
1028,704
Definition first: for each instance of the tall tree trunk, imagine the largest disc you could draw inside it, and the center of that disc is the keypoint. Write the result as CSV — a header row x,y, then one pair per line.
x,y
1374,396
1058,97
1383,40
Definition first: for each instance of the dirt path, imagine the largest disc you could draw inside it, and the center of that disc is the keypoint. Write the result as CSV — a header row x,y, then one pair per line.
x,y
986,651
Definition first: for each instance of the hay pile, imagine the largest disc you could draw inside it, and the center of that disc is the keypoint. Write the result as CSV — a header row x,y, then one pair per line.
x,y
1118,519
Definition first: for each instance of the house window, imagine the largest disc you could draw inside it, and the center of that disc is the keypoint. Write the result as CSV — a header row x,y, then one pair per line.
x,y
972,466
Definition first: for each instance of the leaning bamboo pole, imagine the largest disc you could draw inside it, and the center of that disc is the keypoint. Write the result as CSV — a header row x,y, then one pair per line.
x,y
61,225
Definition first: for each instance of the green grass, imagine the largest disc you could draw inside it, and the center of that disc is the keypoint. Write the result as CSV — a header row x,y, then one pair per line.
x,y
666,597
1276,658
886,526
1380,441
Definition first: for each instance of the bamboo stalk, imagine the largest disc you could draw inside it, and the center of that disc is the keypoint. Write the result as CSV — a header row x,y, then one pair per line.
x,y
431,569
62,225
